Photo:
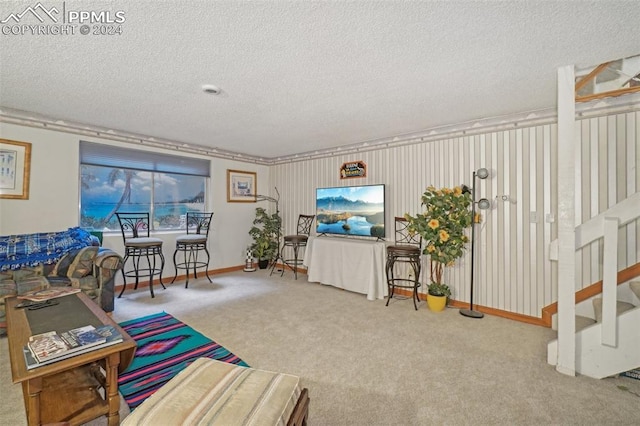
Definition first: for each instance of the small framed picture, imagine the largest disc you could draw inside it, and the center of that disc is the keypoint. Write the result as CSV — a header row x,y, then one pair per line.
x,y
241,186
15,169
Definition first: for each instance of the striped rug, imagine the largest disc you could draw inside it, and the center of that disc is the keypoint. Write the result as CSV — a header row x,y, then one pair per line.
x,y
165,347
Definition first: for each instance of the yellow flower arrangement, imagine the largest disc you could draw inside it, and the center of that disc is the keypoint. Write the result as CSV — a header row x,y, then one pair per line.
x,y
442,226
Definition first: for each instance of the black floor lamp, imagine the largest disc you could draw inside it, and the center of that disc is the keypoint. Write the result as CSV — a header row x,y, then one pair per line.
x,y
483,204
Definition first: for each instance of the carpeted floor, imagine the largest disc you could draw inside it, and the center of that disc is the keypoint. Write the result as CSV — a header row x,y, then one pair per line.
x,y
166,346
367,364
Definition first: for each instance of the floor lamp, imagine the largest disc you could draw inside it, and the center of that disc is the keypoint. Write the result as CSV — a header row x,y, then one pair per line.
x,y
483,204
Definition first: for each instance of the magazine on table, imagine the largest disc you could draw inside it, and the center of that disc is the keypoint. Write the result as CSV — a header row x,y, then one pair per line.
x,y
48,293
51,347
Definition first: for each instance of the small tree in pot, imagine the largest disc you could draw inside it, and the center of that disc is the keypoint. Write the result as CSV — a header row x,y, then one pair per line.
x,y
266,235
442,226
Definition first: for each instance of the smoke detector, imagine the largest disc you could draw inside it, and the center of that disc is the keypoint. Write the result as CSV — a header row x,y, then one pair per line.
x,y
211,89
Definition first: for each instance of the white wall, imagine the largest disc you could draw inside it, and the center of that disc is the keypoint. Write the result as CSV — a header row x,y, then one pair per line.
x,y
53,203
53,187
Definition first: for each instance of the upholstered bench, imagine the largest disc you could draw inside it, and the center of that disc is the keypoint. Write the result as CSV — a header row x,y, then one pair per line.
x,y
218,393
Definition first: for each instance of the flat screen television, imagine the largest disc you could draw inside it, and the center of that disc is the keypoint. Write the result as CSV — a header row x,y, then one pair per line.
x,y
351,210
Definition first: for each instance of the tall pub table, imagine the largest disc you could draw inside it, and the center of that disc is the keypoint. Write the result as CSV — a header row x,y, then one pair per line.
x,y
77,389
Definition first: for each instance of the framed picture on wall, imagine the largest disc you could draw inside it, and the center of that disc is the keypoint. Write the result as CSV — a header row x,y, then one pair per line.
x,y
15,168
241,186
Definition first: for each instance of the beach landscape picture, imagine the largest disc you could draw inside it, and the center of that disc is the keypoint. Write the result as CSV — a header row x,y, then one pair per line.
x,y
107,190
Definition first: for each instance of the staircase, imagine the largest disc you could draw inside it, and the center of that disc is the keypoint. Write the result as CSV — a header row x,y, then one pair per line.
x,y
607,341
597,360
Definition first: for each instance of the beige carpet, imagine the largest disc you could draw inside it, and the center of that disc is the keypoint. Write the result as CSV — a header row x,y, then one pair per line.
x,y
367,364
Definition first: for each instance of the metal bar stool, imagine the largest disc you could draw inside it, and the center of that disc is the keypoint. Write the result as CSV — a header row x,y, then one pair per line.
x,y
297,241
138,244
407,250
190,245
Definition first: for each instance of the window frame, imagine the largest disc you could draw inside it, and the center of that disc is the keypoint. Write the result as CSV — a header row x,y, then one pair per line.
x,y
116,157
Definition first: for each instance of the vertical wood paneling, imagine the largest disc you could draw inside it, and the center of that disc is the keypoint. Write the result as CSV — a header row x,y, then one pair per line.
x,y
540,225
611,144
595,195
632,157
518,228
514,284
583,202
525,172
603,182
483,250
637,169
493,293
554,202
619,179
549,295
505,260
608,163
513,270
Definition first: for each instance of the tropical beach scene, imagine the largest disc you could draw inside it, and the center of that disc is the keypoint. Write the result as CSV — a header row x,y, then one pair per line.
x,y
106,190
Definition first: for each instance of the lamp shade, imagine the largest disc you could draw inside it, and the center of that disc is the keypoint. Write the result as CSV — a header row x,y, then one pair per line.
x,y
484,204
482,173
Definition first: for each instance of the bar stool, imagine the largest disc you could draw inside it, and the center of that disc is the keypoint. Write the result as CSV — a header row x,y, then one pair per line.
x,y
138,244
296,242
407,250
190,245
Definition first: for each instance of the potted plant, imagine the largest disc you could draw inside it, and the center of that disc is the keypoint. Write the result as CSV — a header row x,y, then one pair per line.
x,y
442,226
266,235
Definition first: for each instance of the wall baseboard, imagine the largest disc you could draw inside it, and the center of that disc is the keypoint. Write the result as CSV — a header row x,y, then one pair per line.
x,y
489,311
167,280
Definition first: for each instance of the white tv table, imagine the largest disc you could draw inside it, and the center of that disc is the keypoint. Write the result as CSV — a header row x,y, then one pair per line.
x,y
351,264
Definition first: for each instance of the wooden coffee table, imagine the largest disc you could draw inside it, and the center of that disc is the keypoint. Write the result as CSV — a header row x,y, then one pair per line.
x,y
75,390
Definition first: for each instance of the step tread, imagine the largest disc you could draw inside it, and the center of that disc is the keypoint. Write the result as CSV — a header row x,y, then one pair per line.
x,y
635,287
583,322
621,307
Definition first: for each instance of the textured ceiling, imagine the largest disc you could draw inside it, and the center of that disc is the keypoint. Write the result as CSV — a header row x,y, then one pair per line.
x,y
304,76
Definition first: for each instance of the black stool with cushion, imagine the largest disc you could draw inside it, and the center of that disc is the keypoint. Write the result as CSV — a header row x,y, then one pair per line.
x,y
137,245
406,250
295,242
190,245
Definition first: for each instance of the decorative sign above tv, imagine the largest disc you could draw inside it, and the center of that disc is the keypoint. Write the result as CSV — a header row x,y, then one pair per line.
x,y
351,210
353,169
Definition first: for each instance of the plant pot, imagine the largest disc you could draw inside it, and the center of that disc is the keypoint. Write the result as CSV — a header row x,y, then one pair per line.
x,y
263,263
436,303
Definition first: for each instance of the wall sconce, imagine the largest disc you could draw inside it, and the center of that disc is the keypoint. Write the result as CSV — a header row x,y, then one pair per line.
x,y
483,204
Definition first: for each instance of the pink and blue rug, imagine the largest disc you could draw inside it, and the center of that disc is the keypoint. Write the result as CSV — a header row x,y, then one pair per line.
x,y
165,347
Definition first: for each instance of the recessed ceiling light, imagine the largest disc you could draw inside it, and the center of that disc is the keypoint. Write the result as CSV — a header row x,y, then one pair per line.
x,y
211,89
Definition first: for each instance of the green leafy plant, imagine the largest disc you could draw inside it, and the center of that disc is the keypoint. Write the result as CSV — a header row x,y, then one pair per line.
x,y
442,226
266,234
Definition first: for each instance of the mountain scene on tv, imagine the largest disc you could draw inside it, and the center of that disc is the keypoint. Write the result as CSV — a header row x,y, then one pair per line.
x,y
352,210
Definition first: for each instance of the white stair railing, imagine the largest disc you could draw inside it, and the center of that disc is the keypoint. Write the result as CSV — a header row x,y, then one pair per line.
x,y
606,226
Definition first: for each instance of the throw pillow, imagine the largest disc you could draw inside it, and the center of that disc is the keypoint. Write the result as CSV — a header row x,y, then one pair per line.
x,y
76,263
60,270
82,265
